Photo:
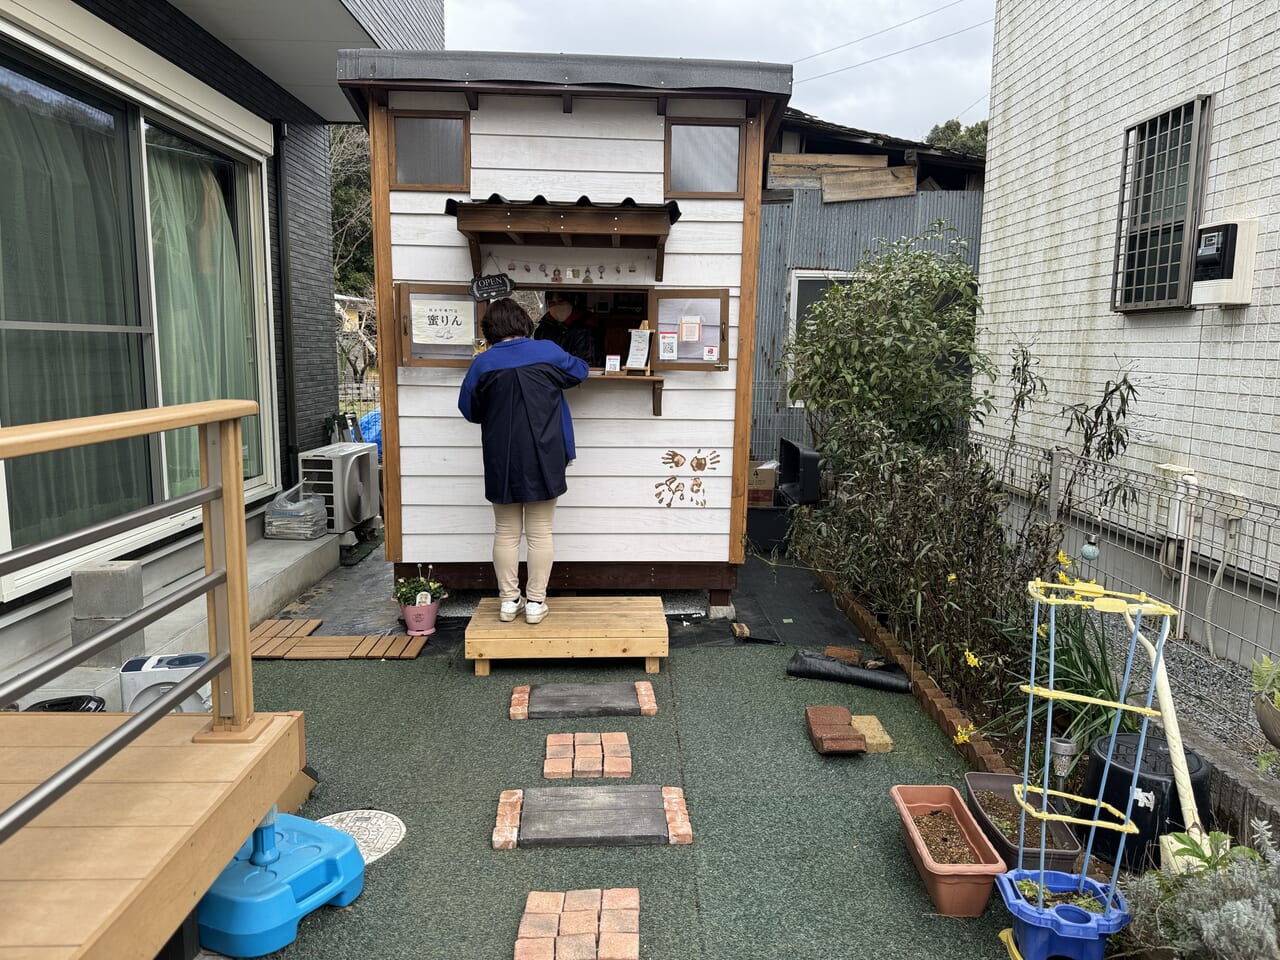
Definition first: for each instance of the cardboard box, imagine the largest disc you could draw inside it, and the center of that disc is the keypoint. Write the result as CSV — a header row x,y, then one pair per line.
x,y
762,477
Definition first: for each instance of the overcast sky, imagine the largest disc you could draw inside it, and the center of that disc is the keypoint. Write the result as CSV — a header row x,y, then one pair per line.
x,y
903,95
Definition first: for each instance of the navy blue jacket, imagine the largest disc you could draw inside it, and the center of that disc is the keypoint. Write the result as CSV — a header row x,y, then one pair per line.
x,y
514,390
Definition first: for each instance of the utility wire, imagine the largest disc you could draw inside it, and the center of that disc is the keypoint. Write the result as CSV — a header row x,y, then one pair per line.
x,y
878,32
886,56
972,105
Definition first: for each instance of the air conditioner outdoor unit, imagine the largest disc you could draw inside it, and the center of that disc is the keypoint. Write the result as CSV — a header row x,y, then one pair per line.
x,y
145,679
346,476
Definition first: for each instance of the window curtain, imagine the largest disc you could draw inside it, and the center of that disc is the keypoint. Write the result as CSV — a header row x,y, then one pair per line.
x,y
203,318
66,262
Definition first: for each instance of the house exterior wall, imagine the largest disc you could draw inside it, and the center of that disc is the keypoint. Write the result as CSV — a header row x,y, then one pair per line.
x,y
177,38
805,233
608,150
1067,81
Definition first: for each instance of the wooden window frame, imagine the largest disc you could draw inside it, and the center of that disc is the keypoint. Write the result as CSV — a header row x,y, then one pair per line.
x,y
684,293
464,116
1134,193
741,124
403,291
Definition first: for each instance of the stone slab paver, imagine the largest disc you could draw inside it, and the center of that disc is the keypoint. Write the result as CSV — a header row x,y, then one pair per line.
x,y
619,815
551,701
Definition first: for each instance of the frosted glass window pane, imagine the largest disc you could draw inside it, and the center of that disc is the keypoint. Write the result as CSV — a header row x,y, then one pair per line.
x,y
429,150
704,159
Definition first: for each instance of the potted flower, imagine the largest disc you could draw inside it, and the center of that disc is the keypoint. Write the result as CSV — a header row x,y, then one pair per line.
x,y
419,598
1266,685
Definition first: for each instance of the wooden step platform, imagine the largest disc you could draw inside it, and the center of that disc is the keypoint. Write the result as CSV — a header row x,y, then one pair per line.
x,y
112,868
292,640
575,627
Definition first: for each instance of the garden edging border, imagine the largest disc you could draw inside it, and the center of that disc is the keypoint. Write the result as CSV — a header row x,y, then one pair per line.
x,y
977,751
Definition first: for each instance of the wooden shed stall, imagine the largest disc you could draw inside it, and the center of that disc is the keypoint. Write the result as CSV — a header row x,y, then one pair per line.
x,y
631,184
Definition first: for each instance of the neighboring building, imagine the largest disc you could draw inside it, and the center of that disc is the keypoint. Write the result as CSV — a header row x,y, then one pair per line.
x,y
833,192
1118,134
151,153
631,183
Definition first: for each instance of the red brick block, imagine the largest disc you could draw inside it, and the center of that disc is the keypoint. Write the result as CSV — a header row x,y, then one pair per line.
x,y
557,769
511,796
579,921
504,838
581,739
618,750
582,900
617,766
578,946
618,946
588,766
543,948
672,793
615,739
534,925
559,739
518,713
544,901
560,751
620,921
680,833
620,898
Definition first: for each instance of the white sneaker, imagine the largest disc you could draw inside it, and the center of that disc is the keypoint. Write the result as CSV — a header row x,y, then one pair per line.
x,y
507,612
535,612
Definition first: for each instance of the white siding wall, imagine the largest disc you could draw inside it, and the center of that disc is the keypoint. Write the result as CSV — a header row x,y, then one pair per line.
x,y
1067,80
608,150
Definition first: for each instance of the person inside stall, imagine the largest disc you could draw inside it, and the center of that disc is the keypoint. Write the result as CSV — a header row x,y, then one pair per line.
x,y
567,324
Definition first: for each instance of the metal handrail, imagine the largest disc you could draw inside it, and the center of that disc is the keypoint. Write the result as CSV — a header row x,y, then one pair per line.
x,y
224,581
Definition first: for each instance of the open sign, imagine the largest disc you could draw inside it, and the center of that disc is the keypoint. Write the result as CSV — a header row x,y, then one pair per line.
x,y
491,287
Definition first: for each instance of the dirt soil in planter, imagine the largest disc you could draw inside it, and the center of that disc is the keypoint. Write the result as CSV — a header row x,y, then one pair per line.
x,y
943,837
1005,813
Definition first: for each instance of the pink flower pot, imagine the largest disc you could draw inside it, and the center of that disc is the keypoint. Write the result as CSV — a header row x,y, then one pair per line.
x,y
421,621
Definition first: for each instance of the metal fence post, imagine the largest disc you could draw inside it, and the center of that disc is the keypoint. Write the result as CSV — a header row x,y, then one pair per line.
x,y
1055,482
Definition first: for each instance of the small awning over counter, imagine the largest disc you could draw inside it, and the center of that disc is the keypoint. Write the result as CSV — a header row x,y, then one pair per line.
x,y
582,223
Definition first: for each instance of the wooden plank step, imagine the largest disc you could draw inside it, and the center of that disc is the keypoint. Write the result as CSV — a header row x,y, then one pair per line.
x,y
576,627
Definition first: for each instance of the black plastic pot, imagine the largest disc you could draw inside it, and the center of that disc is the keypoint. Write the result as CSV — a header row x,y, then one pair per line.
x,y
1001,784
80,703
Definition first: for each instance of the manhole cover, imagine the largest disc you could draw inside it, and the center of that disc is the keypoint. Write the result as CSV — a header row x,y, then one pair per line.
x,y
376,832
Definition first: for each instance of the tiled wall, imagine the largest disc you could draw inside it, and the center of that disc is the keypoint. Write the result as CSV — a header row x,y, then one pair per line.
x,y
1067,80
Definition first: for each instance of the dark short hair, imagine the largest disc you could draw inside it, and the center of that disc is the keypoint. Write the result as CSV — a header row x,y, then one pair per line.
x,y
505,318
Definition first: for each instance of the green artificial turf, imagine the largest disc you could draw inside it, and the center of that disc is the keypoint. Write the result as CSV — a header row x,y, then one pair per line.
x,y
795,855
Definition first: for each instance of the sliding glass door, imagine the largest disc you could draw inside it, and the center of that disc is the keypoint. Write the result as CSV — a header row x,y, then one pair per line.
x,y
131,276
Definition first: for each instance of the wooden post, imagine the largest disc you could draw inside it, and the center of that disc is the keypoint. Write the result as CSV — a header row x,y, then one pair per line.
x,y
228,604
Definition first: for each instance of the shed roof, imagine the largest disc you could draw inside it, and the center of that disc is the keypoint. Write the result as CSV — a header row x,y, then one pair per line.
x,y
490,71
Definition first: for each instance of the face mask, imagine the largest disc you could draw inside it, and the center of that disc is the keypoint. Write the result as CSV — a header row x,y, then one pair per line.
x,y
560,311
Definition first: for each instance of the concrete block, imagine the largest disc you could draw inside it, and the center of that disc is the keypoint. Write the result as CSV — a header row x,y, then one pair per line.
x,y
878,741
85,628
112,588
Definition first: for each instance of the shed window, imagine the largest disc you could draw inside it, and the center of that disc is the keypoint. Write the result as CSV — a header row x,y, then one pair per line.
x,y
430,151
1163,175
704,159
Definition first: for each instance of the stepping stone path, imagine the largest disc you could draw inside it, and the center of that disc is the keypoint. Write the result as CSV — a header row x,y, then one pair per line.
x,y
587,755
558,701
580,925
605,816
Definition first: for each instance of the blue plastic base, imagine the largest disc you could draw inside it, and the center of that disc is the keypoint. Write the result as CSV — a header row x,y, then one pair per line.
x,y
1064,930
252,910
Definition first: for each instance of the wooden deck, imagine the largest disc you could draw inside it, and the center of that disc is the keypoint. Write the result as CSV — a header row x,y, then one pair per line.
x,y
111,870
575,627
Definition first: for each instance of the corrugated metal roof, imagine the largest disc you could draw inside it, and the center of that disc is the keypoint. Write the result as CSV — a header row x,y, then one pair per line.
x,y
670,208
563,69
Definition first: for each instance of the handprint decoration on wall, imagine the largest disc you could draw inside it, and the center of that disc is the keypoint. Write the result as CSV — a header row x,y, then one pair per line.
x,y
685,490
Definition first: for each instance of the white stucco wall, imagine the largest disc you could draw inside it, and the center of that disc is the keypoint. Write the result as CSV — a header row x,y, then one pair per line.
x,y
1067,80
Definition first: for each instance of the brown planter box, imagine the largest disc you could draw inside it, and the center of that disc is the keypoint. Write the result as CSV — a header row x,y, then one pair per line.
x,y
1063,859
956,889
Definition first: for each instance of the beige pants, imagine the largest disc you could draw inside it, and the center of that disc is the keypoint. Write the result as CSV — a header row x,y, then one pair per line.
x,y
534,520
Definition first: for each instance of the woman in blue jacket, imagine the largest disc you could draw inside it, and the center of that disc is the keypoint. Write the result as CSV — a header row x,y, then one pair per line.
x,y
515,391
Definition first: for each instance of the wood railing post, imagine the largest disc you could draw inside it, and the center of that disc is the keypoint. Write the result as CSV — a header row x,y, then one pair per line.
x,y
228,604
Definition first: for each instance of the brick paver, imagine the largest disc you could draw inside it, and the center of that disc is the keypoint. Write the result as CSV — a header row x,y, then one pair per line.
x,y
584,925
587,755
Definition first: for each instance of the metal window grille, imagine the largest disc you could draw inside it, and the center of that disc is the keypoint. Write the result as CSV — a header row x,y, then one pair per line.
x,y
1164,160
